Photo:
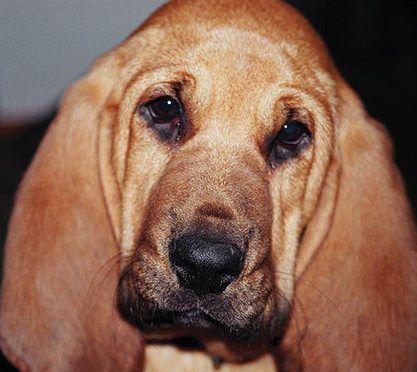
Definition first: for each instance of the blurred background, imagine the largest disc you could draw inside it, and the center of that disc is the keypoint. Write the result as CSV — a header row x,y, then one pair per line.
x,y
46,44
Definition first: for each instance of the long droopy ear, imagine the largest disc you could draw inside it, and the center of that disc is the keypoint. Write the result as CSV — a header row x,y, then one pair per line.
x,y
61,257
356,302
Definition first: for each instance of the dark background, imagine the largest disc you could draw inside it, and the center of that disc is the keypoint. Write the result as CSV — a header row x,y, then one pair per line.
x,y
374,45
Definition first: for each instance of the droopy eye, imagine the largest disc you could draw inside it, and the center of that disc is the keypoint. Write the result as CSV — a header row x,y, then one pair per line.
x,y
289,142
165,116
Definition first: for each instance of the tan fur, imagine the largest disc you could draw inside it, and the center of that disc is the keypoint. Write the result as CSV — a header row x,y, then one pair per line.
x,y
330,235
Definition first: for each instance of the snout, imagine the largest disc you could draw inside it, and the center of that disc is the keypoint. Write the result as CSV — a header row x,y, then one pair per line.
x,y
202,265
205,264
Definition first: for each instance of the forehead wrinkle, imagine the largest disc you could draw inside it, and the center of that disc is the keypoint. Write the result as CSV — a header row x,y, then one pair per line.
x,y
224,72
247,46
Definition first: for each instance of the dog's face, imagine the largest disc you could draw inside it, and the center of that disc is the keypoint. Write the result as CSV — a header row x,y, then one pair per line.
x,y
222,137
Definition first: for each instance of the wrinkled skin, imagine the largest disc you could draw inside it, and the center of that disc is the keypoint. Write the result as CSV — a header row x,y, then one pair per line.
x,y
217,178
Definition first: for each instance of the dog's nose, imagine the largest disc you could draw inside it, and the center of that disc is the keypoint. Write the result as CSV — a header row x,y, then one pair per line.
x,y
205,264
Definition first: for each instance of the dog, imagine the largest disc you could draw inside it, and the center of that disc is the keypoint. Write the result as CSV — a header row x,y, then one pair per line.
x,y
212,195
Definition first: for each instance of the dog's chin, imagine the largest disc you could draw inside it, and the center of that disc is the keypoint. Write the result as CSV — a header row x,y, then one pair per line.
x,y
228,341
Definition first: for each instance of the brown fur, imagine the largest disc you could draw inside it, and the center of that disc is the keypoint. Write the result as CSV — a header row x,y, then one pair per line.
x,y
329,236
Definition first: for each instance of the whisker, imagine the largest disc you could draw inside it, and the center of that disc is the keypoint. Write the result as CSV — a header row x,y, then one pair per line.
x,y
310,283
99,279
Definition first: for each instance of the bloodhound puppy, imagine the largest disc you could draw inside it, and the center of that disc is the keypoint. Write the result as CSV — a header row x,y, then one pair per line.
x,y
212,195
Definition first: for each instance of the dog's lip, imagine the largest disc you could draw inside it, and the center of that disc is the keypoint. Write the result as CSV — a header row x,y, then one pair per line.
x,y
191,318
195,318
200,325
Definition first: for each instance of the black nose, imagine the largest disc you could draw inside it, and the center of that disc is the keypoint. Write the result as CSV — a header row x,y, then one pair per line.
x,y
205,264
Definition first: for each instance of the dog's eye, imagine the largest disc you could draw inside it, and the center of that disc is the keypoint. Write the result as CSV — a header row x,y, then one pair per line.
x,y
164,109
289,142
165,116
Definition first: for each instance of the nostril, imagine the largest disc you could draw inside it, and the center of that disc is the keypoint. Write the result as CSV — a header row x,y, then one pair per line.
x,y
204,264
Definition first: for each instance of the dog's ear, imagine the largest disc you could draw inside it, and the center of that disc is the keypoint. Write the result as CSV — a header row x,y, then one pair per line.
x,y
359,289
61,257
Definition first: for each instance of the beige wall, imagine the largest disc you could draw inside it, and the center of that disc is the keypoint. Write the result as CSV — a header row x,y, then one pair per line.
x,y
45,44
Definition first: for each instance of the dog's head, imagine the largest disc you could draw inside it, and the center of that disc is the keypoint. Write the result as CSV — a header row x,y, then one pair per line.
x,y
219,139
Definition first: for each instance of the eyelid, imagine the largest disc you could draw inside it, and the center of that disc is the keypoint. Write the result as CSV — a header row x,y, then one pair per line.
x,y
157,91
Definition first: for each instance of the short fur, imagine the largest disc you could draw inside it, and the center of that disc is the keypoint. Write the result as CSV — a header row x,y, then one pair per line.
x,y
330,275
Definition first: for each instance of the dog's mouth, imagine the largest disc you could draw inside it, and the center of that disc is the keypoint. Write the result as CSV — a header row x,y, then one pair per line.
x,y
194,322
194,318
201,329
186,321
203,292
178,313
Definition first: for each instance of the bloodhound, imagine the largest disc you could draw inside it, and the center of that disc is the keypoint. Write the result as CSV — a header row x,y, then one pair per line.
x,y
212,195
